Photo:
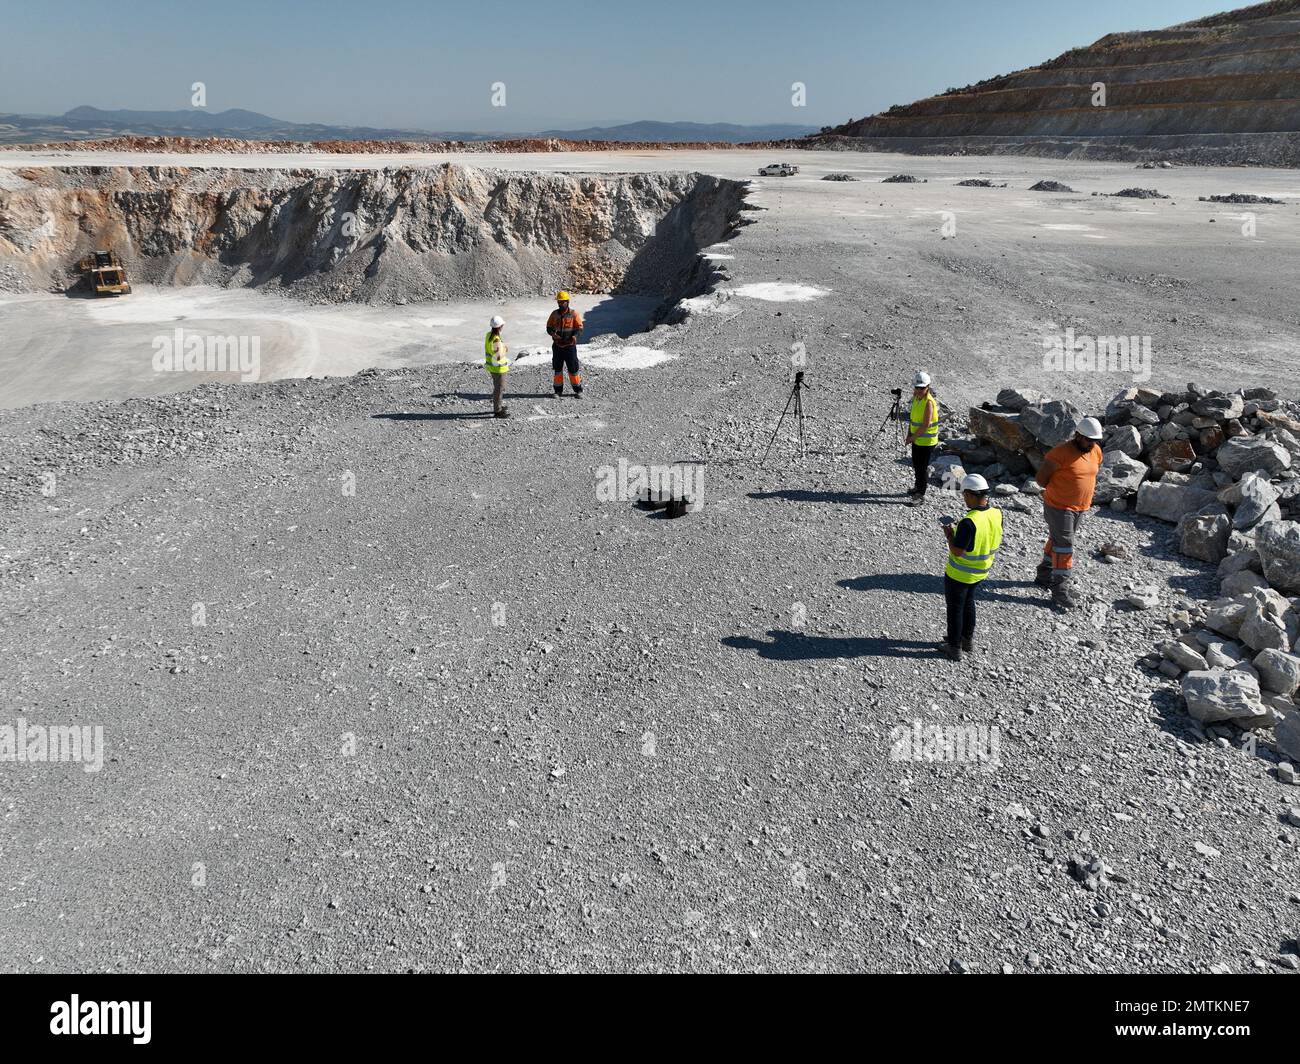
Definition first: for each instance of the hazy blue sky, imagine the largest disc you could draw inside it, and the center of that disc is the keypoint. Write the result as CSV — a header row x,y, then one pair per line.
x,y
565,63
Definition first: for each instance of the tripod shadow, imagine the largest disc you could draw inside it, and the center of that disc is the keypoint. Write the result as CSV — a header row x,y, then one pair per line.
x,y
991,590
796,646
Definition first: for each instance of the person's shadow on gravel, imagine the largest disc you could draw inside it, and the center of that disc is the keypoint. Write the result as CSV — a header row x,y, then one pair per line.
x,y
798,646
486,397
464,415
991,590
805,495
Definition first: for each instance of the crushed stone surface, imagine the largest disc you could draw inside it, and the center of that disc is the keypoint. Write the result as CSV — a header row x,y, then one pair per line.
x,y
453,708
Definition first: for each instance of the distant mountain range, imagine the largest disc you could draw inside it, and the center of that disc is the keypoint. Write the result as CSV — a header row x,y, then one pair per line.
x,y
92,123
683,131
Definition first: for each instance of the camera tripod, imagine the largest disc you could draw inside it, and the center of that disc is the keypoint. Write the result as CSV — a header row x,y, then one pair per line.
x,y
795,401
895,414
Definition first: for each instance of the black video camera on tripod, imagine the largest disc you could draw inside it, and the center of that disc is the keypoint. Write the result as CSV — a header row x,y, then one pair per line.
x,y
895,414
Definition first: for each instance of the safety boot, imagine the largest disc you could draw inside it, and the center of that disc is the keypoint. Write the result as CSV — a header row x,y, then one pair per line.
x,y
1062,598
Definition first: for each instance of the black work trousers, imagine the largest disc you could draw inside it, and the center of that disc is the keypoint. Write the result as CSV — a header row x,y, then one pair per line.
x,y
960,599
921,465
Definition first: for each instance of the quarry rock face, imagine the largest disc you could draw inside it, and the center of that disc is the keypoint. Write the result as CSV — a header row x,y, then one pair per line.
x,y
1220,89
375,236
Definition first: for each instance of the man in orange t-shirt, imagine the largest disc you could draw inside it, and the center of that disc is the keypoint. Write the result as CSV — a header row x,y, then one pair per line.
x,y
1068,477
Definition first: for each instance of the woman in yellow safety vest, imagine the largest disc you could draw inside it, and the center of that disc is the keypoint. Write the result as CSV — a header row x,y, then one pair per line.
x,y
923,433
973,544
496,363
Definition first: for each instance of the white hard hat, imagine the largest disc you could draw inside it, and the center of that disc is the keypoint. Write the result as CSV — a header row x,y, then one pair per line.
x,y
921,380
497,321
974,482
1089,427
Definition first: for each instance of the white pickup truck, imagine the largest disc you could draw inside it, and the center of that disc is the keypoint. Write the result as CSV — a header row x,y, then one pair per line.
x,y
778,170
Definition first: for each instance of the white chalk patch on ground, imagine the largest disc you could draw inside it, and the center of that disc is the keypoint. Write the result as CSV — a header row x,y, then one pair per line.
x,y
781,292
631,357
159,305
716,255
714,303
56,348
541,415
1094,236
1069,227
535,356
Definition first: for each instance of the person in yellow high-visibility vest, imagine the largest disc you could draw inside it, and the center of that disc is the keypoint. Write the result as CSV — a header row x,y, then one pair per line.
x,y
973,544
496,362
923,432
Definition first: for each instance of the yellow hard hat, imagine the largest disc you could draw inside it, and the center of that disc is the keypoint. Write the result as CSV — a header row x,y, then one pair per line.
x,y
562,297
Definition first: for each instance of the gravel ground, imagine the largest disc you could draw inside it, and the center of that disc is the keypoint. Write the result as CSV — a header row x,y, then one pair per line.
x,y
451,710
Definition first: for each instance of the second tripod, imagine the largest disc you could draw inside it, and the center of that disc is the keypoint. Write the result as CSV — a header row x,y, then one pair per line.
x,y
795,402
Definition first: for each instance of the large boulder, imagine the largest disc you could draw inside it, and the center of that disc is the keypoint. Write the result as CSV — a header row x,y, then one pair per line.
x,y
1267,623
1182,655
1123,438
1239,559
1125,400
1001,430
1279,421
1226,618
1257,502
1118,477
1288,440
1240,582
1019,398
1287,733
1252,454
1279,671
946,471
1171,502
1173,456
1278,544
1218,695
1052,422
1219,406
1204,534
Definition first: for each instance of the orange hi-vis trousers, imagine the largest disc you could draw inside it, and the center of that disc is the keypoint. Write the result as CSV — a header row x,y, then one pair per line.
x,y
1062,528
